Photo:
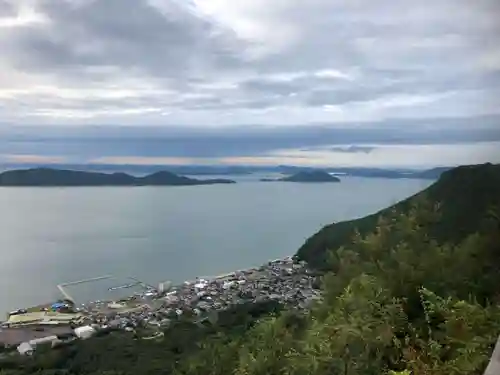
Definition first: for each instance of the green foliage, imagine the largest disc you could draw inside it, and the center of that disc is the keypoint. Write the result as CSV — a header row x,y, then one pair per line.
x,y
459,335
466,194
399,299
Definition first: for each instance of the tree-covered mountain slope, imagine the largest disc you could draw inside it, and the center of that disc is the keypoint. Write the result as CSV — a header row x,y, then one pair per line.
x,y
464,194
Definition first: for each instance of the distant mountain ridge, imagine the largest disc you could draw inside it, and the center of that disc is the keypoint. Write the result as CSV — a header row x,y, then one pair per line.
x,y
464,193
62,177
200,170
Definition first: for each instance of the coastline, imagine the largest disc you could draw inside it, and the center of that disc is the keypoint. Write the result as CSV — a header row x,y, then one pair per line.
x,y
284,282
149,293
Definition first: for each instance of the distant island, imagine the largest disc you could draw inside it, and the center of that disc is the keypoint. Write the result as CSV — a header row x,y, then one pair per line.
x,y
236,170
62,177
427,174
306,176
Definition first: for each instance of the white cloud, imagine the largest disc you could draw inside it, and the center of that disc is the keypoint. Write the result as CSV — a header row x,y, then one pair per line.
x,y
404,100
257,22
138,160
25,15
330,73
23,158
92,114
489,60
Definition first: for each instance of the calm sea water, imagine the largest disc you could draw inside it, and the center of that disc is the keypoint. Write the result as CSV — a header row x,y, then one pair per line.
x,y
53,235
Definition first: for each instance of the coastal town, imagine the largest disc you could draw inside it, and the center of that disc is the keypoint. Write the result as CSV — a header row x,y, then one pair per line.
x,y
148,313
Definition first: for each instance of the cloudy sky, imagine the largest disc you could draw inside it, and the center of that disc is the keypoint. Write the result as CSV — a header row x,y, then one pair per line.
x,y
317,82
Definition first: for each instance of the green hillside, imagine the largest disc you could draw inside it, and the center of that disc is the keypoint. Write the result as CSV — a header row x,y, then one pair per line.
x,y
464,193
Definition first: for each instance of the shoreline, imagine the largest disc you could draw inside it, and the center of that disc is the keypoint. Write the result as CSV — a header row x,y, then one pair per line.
x,y
175,287
283,281
147,288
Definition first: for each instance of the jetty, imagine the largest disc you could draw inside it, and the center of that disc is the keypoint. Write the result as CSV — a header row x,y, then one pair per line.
x,y
65,293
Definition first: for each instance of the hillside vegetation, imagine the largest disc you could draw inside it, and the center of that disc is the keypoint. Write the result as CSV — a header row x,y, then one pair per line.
x,y
464,193
416,292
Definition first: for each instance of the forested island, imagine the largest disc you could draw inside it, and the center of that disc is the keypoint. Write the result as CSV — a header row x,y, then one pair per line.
x,y
306,176
61,177
412,289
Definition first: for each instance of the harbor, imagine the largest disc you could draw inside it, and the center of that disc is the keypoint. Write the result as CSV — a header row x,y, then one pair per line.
x,y
155,307
65,293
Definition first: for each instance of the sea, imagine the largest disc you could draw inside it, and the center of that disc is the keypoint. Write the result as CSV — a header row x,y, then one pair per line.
x,y
53,235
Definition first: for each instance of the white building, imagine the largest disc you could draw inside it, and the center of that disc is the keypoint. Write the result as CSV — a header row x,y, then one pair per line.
x,y
43,340
200,285
25,348
115,305
84,332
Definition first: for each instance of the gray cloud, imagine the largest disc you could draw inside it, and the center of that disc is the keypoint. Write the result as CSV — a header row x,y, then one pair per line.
x,y
263,86
6,8
86,142
99,33
169,62
353,149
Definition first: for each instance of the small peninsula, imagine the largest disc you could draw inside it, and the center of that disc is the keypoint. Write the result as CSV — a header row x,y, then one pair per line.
x,y
307,176
62,177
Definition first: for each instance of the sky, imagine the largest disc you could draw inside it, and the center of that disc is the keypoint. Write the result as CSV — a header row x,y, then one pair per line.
x,y
317,82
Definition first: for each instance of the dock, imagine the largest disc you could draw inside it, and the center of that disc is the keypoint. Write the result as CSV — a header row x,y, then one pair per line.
x,y
67,296
65,293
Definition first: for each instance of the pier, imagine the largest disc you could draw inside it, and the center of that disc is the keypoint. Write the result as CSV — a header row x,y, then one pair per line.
x,y
67,296
123,286
65,293
143,284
